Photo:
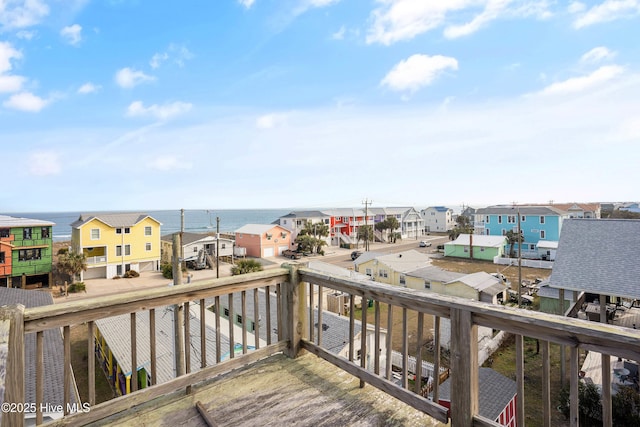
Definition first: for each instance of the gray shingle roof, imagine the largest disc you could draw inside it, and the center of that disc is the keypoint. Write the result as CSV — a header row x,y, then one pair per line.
x,y
599,256
53,349
524,210
306,214
495,392
127,219
434,273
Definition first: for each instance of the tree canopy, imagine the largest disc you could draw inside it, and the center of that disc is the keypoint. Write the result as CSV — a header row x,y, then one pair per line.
x,y
311,237
72,264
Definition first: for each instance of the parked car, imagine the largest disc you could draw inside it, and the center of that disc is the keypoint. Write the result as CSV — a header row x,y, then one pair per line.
x,y
425,244
355,254
288,253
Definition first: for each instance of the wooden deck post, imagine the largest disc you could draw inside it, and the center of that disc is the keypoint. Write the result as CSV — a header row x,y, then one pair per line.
x,y
294,312
464,368
12,344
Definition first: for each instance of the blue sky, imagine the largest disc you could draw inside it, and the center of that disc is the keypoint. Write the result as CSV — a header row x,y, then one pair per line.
x,y
134,104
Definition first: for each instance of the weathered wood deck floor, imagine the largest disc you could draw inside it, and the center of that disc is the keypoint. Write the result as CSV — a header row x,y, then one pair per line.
x,y
279,391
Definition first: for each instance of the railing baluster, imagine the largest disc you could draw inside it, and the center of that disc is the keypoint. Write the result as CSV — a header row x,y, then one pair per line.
x,y
376,356
134,355
311,315
352,306
91,361
389,341
187,337
203,334
464,367
520,379
67,368
40,375
152,345
436,359
405,349
607,411
279,310
218,331
546,383
363,337
243,297
573,386
232,342
320,315
256,319
419,353
267,293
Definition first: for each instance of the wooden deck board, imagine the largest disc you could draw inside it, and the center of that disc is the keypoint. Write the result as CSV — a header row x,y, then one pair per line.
x,y
279,391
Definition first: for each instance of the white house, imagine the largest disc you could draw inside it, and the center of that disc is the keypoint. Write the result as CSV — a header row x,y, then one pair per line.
x,y
437,219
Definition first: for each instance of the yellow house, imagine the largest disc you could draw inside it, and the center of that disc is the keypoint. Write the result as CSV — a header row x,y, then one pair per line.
x,y
478,286
115,243
393,269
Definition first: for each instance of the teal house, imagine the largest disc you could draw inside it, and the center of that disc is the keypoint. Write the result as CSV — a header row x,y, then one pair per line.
x,y
476,246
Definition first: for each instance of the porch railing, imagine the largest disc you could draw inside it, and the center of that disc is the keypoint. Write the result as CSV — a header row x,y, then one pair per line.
x,y
300,306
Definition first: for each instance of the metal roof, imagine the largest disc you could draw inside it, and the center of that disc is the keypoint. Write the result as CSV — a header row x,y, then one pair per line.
x,y
495,391
7,221
258,228
524,210
482,281
434,273
599,256
53,349
126,219
406,261
480,240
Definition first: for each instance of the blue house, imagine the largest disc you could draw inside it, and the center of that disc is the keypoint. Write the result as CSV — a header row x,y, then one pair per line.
x,y
538,223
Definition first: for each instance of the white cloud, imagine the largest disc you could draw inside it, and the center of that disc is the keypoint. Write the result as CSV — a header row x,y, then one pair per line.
x,y
272,120
10,84
25,35
128,77
88,88
493,10
21,14
579,84
26,101
418,71
160,112
169,163
576,7
396,20
178,54
44,163
72,34
597,54
7,53
157,59
609,10
339,35
246,3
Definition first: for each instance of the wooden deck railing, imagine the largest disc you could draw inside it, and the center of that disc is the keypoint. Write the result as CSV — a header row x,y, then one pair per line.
x,y
297,292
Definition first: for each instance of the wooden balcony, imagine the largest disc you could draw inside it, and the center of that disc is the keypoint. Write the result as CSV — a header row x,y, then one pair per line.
x,y
286,372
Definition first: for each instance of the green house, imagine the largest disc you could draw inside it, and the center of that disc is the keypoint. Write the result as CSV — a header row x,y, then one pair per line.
x,y
26,252
476,246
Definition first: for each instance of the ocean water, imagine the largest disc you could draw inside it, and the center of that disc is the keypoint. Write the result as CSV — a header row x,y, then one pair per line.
x,y
195,221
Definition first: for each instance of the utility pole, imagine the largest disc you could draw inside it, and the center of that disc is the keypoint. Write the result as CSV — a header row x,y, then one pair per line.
x,y
183,262
217,247
366,225
178,314
519,259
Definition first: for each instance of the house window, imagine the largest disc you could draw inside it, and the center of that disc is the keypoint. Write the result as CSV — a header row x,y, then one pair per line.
x,y
487,231
541,220
269,236
504,232
95,234
4,232
29,254
118,250
482,249
427,284
44,232
223,245
127,230
147,230
542,234
532,247
1,257
239,319
118,230
127,250
195,249
226,313
26,233
147,247
486,219
326,221
368,272
403,280
499,219
523,218
466,249
511,219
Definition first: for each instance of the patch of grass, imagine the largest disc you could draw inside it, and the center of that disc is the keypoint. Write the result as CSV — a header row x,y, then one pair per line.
x,y
80,364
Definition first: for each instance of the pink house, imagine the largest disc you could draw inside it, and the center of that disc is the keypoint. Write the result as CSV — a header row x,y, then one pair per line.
x,y
263,240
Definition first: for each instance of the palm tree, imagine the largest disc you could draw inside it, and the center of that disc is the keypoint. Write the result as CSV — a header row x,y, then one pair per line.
x,y
245,266
512,238
365,232
72,264
392,224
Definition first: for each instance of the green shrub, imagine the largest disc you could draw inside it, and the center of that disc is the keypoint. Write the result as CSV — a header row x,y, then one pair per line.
x,y
77,287
63,251
167,270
